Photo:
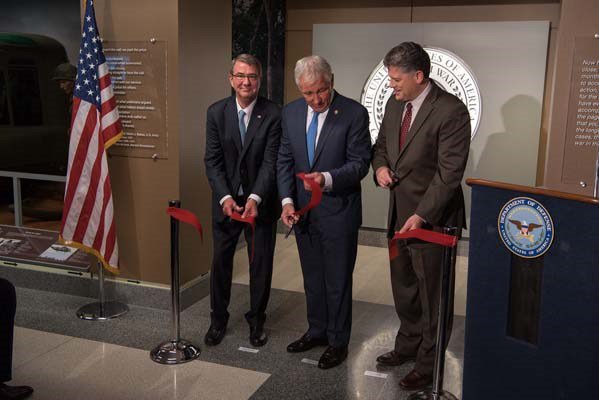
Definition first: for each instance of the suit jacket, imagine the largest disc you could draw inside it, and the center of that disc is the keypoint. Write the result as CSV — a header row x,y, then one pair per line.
x,y
343,149
253,165
431,164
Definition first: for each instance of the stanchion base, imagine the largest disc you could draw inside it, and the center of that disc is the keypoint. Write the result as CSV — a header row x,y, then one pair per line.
x,y
175,352
428,395
98,312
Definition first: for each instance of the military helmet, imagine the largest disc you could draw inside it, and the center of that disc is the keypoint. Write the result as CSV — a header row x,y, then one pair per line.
x,y
65,71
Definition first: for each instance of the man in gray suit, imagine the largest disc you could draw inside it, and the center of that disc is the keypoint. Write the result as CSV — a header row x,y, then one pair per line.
x,y
420,156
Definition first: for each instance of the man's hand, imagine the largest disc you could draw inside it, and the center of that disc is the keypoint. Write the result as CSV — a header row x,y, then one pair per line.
x,y
251,209
414,222
288,215
318,178
385,177
229,206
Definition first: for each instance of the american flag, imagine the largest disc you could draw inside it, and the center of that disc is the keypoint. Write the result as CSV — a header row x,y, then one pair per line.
x,y
88,214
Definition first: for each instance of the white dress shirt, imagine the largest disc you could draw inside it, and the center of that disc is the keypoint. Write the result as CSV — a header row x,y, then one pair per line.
x,y
246,120
417,103
328,179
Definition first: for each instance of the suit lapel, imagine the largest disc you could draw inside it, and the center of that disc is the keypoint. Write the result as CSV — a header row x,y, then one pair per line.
x,y
254,125
232,122
302,128
425,109
327,127
393,139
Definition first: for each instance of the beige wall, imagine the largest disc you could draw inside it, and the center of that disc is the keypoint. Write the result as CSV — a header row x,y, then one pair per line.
x,y
197,36
204,59
141,187
300,21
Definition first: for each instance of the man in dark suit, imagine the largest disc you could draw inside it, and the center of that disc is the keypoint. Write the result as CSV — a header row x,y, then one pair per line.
x,y
419,156
325,135
242,139
8,306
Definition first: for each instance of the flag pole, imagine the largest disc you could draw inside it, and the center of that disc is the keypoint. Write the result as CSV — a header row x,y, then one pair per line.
x,y
102,310
88,222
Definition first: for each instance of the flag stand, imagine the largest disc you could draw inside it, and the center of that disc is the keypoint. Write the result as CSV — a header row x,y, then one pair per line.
x,y
176,350
102,310
447,276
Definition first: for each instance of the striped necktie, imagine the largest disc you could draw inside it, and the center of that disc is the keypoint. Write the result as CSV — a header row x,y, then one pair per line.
x,y
405,126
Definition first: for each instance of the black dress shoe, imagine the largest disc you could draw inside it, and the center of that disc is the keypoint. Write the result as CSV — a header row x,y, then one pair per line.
x,y
306,343
214,335
393,358
332,357
258,337
414,380
14,392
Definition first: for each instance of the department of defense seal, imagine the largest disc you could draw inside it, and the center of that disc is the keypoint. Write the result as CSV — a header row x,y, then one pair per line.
x,y
450,73
525,227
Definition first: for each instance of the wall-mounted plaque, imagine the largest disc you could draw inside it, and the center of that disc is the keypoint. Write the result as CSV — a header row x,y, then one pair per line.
x,y
138,72
582,129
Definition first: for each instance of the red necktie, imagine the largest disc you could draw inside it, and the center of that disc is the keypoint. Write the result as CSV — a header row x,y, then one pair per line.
x,y
405,125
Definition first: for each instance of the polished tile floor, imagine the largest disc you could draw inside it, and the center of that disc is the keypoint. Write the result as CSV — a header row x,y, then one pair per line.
x,y
371,275
63,357
64,367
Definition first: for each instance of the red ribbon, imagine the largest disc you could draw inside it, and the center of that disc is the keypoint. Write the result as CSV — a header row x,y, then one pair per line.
x,y
251,221
187,217
422,234
316,194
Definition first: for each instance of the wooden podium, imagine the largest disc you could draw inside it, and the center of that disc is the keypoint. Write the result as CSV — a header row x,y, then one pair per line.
x,y
532,321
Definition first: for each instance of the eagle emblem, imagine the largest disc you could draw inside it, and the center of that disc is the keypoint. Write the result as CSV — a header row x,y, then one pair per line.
x,y
525,229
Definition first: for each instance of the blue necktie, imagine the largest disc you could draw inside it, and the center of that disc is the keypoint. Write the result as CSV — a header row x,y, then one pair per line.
x,y
311,137
242,128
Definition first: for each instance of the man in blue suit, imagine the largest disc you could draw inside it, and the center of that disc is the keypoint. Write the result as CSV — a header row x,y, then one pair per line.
x,y
242,140
325,135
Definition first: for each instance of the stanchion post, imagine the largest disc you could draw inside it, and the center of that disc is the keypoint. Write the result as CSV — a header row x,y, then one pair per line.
x,y
175,294
176,350
447,277
102,310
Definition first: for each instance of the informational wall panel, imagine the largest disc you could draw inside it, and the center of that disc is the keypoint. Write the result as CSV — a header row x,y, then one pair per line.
x,y
582,131
138,71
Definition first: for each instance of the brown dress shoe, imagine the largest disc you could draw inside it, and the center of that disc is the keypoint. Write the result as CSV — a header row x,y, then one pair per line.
x,y
393,358
415,381
14,392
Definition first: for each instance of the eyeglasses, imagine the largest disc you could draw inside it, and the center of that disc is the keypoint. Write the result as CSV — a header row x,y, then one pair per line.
x,y
241,77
